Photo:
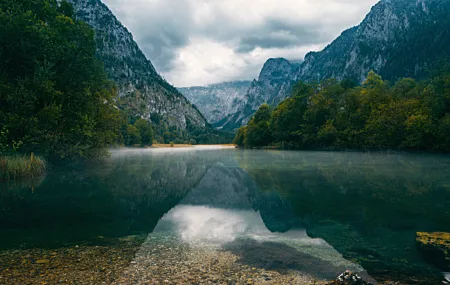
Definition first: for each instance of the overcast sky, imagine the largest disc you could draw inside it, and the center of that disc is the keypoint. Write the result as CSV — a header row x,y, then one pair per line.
x,y
199,42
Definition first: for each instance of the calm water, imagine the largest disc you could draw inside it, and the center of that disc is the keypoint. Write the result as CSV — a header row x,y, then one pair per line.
x,y
316,212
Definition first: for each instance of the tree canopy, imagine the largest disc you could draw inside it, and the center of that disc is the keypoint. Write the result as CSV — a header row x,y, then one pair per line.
x,y
55,98
406,115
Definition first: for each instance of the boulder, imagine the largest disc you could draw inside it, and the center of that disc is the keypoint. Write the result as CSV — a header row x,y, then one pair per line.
x,y
348,278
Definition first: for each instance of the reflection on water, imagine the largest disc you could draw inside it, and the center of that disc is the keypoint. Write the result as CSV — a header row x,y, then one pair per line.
x,y
317,212
243,231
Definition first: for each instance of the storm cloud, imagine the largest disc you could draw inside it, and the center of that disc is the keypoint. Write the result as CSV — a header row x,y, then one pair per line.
x,y
199,42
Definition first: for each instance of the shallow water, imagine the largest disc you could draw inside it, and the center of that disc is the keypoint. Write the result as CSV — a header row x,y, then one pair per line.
x,y
306,215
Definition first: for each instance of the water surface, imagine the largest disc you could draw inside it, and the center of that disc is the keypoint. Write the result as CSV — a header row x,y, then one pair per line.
x,y
314,213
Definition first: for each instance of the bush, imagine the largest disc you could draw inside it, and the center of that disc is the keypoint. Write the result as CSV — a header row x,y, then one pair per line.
x,y
19,167
172,144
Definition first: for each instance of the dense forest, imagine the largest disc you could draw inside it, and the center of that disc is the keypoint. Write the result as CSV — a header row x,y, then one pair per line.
x,y
55,97
407,115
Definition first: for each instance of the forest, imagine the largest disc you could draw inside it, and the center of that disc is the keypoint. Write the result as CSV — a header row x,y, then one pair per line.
x,y
377,115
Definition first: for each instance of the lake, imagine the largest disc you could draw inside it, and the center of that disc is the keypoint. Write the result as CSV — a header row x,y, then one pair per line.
x,y
229,216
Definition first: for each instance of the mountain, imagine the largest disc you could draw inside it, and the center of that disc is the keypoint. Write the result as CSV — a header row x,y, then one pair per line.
x,y
401,38
274,82
398,38
142,91
216,101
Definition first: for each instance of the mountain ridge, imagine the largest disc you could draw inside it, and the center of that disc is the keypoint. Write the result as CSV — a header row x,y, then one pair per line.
x,y
142,92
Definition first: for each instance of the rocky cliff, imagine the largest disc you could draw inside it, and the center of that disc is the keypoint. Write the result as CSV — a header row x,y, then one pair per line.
x,y
273,84
216,101
402,38
142,91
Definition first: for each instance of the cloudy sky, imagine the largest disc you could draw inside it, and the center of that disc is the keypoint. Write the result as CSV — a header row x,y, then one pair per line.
x,y
199,42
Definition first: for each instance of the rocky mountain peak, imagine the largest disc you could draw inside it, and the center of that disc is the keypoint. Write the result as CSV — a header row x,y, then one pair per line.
x,y
275,69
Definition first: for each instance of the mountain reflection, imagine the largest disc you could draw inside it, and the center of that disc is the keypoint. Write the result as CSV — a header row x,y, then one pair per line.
x,y
272,209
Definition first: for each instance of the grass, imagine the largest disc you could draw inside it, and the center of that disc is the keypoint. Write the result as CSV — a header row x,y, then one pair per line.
x,y
21,167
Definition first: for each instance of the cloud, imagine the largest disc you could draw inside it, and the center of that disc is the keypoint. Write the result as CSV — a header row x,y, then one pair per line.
x,y
197,42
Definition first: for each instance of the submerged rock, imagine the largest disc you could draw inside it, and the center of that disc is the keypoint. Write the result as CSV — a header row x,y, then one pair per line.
x,y
435,247
348,278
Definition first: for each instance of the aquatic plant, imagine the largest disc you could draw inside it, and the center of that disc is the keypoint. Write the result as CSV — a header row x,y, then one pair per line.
x,y
18,167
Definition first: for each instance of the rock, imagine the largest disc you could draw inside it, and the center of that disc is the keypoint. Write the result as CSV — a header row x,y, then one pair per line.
x,y
348,278
435,247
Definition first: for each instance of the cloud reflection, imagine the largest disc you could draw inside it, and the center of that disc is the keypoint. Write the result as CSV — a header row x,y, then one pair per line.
x,y
205,226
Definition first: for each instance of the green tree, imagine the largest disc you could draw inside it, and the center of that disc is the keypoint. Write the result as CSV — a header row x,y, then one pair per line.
x,y
288,117
258,133
133,136
239,140
145,130
54,93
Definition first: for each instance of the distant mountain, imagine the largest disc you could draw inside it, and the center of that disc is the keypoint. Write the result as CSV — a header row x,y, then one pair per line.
x,y
274,82
142,91
217,101
398,38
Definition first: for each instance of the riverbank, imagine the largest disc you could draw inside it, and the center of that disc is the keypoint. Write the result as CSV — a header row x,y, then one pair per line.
x,y
21,167
218,146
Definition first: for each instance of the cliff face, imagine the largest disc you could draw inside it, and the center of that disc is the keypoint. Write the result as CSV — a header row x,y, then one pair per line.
x,y
142,91
274,83
217,101
402,38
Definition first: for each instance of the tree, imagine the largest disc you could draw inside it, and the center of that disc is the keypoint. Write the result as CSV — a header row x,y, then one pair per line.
x,y
258,133
133,136
145,130
239,140
54,94
288,117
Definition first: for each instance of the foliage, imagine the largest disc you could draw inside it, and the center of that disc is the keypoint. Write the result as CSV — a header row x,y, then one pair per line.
x,y
55,98
133,137
145,130
239,140
407,115
258,133
18,167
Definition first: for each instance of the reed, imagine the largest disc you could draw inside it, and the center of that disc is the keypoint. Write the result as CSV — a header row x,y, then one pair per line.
x,y
17,167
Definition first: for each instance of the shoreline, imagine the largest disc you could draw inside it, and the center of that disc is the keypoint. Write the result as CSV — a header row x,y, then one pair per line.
x,y
199,146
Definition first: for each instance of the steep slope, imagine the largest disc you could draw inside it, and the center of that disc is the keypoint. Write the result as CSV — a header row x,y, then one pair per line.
x,y
217,101
397,39
401,38
274,82
142,91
